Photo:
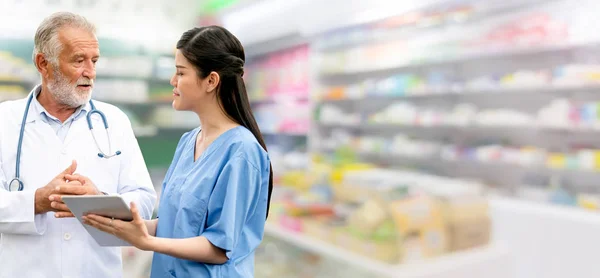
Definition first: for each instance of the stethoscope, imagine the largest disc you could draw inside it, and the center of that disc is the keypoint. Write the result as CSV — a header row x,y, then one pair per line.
x,y
17,184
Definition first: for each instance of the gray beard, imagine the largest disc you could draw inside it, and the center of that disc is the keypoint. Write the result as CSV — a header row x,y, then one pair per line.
x,y
66,93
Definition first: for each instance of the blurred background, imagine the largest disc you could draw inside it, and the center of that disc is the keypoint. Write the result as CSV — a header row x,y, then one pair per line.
x,y
409,138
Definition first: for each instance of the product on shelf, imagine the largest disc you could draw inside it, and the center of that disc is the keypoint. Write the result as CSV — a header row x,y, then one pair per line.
x,y
574,76
545,26
283,117
390,215
279,75
331,114
560,113
278,86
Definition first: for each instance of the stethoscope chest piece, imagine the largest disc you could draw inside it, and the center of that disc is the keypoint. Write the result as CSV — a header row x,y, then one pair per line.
x,y
15,185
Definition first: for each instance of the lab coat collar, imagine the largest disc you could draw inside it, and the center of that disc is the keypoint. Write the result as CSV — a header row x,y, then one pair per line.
x,y
34,114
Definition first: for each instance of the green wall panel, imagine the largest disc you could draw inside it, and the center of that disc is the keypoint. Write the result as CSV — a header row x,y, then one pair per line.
x,y
158,152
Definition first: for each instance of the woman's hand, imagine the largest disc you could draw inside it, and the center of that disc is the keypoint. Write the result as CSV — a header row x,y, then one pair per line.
x,y
134,232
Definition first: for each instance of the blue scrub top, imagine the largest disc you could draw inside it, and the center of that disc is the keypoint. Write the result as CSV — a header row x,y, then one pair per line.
x,y
221,196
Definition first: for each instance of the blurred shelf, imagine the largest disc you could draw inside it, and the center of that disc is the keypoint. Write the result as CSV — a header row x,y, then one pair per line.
x,y
359,35
278,99
395,159
258,49
280,133
327,249
449,265
474,55
453,128
474,93
528,168
23,83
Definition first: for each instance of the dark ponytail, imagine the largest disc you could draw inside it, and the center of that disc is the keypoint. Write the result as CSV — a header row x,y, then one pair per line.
x,y
213,48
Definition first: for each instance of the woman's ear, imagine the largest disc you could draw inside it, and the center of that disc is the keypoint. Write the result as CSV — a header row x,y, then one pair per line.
x,y
213,81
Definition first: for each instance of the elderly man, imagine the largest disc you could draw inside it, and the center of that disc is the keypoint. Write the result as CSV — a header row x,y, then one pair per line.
x,y
46,138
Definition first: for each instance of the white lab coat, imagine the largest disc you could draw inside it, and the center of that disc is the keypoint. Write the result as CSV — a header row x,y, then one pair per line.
x,y
42,245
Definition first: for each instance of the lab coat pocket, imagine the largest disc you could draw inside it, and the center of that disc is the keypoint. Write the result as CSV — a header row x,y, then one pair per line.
x,y
190,216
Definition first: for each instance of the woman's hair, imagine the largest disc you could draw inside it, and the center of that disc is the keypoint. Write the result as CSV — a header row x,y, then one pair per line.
x,y
214,48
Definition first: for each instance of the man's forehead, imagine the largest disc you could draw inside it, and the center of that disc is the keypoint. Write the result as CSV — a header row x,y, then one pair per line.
x,y
81,47
77,36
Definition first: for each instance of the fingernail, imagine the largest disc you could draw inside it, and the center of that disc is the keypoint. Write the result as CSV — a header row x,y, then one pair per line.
x,y
51,198
57,188
56,215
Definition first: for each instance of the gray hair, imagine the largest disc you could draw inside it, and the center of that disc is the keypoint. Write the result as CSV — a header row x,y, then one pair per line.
x,y
46,37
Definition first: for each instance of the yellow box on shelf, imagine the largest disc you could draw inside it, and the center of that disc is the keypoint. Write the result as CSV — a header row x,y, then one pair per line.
x,y
597,160
589,201
464,208
421,226
467,233
556,160
300,180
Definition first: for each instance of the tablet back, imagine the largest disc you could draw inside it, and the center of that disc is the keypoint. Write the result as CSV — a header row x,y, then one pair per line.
x,y
105,205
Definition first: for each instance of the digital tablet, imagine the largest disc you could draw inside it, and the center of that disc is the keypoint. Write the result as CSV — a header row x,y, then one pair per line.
x,y
104,205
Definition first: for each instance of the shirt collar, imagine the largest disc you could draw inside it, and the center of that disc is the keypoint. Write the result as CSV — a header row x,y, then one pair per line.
x,y
38,112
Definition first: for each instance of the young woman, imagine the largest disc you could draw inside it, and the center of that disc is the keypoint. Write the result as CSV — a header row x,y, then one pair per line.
x,y
216,193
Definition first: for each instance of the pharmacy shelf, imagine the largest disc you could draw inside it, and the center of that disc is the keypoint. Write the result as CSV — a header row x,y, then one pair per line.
x,y
257,50
454,128
399,159
488,261
475,93
278,99
473,55
283,133
359,35
23,83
